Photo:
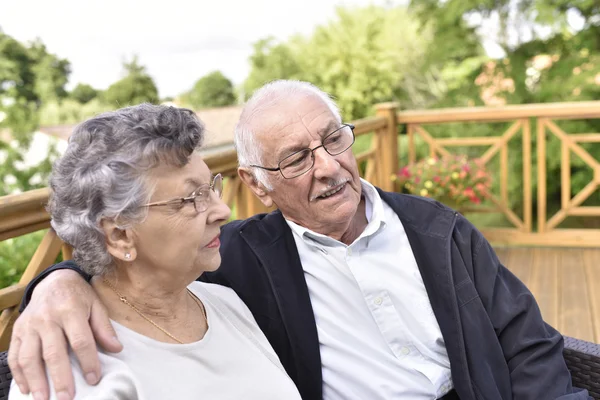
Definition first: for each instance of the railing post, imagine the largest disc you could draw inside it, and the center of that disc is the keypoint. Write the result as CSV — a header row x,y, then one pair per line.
x,y
388,146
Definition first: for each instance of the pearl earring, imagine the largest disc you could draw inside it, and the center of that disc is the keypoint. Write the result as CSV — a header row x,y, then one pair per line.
x,y
127,256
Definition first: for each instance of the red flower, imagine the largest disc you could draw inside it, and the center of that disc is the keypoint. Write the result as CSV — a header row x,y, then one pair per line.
x,y
475,199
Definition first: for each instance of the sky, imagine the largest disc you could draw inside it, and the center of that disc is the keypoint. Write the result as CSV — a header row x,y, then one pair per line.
x,y
178,41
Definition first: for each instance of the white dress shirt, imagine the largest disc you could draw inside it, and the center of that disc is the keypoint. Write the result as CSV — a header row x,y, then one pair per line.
x,y
378,336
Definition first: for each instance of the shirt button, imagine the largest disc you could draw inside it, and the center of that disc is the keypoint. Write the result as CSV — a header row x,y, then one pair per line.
x,y
405,350
378,301
350,252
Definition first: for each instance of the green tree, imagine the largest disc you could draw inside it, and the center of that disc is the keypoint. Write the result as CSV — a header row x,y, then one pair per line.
x,y
83,93
52,73
363,56
27,76
18,98
272,60
212,90
136,87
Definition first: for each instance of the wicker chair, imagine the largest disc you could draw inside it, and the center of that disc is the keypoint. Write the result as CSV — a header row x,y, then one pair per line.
x,y
583,360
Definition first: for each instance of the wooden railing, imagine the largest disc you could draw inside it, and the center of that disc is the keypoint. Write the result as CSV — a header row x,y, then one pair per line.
x,y
521,118
24,213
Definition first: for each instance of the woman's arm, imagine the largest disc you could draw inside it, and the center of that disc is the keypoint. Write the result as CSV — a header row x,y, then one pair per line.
x,y
117,382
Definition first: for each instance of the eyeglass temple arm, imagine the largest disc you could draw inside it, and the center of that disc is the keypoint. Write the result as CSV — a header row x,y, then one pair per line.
x,y
267,168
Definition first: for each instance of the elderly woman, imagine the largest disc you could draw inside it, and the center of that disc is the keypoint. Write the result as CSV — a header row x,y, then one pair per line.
x,y
142,212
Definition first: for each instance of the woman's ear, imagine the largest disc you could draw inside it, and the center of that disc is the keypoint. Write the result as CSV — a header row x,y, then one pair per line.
x,y
119,241
257,188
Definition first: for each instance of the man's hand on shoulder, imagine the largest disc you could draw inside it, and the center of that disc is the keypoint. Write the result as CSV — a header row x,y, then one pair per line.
x,y
63,305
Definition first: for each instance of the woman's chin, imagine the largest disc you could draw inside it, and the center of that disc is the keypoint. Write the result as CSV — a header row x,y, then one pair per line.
x,y
213,263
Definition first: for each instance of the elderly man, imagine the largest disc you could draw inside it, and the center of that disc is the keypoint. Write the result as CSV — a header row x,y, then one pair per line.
x,y
363,294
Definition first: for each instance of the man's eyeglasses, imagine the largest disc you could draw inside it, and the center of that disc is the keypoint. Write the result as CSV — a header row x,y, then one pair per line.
x,y
302,161
200,197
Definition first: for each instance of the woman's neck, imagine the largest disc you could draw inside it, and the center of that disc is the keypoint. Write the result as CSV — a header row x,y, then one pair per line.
x,y
167,304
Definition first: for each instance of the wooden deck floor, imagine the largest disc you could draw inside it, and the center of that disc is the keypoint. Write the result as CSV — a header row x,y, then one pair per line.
x,y
565,283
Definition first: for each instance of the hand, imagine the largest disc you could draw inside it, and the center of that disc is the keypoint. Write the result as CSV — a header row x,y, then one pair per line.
x,y
62,305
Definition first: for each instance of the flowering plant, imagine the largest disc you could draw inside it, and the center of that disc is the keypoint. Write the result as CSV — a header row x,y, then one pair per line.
x,y
452,180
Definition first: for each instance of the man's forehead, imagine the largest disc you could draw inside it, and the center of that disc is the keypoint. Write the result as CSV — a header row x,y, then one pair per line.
x,y
292,109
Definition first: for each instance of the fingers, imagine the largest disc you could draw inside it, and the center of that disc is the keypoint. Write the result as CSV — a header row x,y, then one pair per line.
x,y
82,343
30,363
60,302
56,357
103,330
15,368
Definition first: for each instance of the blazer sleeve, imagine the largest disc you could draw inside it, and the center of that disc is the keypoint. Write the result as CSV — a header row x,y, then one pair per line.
x,y
35,281
533,349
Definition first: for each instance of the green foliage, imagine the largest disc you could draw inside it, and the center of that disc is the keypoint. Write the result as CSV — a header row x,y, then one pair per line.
x,y
28,76
212,90
15,255
18,97
83,93
136,87
52,73
271,60
364,56
71,112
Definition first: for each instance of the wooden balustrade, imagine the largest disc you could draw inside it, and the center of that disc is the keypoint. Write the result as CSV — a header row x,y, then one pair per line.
x,y
522,117
24,213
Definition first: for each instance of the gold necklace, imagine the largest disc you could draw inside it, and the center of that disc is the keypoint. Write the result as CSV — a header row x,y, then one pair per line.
x,y
124,300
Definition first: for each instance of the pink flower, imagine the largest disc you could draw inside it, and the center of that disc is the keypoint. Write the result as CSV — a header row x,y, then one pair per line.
x,y
475,199
405,172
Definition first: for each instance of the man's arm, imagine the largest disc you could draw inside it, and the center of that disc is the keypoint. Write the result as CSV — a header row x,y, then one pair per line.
x,y
65,265
60,305
533,349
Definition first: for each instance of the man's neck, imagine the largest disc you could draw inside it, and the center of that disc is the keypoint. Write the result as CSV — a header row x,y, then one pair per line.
x,y
357,225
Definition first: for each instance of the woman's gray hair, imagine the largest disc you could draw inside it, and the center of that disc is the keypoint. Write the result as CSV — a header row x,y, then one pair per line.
x,y
249,151
104,169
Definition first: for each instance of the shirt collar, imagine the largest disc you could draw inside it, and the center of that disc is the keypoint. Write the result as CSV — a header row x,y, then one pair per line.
x,y
373,212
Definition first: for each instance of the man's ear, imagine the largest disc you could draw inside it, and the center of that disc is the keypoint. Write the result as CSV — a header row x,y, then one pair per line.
x,y
120,242
259,190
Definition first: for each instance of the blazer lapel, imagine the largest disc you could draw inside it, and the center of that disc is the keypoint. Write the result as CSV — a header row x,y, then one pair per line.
x,y
273,243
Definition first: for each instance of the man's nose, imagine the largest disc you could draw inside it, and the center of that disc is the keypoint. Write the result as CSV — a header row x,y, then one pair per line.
x,y
325,164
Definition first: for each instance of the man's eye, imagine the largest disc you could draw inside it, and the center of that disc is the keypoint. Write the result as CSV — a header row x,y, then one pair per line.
x,y
334,138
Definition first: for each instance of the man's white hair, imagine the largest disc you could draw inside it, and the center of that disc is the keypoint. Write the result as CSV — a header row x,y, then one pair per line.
x,y
249,151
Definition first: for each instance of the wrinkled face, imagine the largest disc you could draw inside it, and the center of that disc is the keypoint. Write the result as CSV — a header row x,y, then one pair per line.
x,y
324,198
177,237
